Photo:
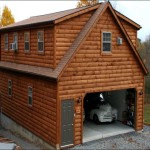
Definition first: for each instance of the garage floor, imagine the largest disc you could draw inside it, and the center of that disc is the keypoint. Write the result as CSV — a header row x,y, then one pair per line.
x,y
94,132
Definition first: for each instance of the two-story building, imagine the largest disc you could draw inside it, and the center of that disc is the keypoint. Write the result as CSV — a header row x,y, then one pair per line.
x,y
49,63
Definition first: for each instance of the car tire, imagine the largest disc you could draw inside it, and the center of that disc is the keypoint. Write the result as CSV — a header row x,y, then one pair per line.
x,y
95,119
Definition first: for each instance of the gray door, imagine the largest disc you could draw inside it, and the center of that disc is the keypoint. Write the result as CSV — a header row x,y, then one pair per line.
x,y
67,120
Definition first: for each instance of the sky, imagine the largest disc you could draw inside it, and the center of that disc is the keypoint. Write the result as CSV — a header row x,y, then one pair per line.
x,y
138,11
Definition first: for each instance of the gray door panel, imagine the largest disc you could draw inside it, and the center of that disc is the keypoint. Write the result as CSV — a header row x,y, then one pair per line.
x,y
67,120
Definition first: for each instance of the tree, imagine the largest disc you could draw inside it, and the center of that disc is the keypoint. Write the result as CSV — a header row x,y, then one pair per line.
x,y
7,17
86,2
141,49
82,3
144,50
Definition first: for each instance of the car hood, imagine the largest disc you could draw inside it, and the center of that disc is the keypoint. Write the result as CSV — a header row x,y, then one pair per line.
x,y
106,107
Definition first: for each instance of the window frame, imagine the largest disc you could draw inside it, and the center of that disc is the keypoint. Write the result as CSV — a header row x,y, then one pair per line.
x,y
42,31
108,42
5,42
10,87
27,41
30,104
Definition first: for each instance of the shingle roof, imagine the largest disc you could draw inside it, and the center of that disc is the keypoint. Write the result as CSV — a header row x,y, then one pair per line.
x,y
35,70
45,18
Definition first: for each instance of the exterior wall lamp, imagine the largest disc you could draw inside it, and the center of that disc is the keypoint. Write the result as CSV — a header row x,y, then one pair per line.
x,y
141,92
79,100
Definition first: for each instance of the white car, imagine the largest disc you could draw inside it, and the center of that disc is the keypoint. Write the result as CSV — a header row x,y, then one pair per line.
x,y
103,112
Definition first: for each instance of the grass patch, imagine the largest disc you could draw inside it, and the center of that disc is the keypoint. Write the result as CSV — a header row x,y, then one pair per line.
x,y
147,113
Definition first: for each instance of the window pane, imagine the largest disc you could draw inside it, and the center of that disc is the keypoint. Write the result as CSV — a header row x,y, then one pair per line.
x,y
40,46
26,46
30,91
15,38
9,91
40,37
30,100
106,47
6,38
26,37
30,95
6,45
6,41
107,37
9,83
9,88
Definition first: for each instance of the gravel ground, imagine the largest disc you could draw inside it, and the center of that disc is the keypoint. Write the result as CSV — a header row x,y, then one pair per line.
x,y
20,141
133,140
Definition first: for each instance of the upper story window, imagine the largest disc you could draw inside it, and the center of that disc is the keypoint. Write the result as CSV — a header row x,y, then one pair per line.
x,y
9,87
40,36
15,39
30,95
6,41
106,41
26,41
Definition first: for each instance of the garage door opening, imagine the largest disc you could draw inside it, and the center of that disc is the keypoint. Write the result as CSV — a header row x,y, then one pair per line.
x,y
108,114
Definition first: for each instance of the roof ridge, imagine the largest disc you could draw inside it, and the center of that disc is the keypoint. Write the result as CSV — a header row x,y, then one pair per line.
x,y
77,42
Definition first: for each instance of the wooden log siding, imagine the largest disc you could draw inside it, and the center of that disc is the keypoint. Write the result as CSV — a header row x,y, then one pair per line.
x,y
90,71
131,30
41,117
34,58
67,31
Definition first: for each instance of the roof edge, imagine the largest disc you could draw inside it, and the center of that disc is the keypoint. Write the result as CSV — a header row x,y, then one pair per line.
x,y
136,25
34,25
32,70
80,12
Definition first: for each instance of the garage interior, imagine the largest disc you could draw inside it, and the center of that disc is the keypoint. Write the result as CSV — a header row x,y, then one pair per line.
x,y
121,100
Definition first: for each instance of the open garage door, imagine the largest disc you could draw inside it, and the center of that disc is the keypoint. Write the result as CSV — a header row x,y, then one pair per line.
x,y
108,113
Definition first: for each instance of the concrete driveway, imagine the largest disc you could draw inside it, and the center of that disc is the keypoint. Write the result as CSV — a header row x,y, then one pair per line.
x,y
91,131
132,140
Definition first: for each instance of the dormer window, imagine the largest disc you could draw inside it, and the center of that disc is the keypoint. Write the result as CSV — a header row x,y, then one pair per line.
x,y
26,41
106,41
6,41
40,36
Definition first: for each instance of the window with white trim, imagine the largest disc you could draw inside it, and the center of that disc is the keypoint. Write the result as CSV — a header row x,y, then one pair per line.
x,y
30,95
9,87
15,40
6,41
106,41
26,41
40,36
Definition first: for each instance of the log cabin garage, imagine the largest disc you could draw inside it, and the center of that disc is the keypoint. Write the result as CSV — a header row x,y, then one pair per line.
x,y
79,61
